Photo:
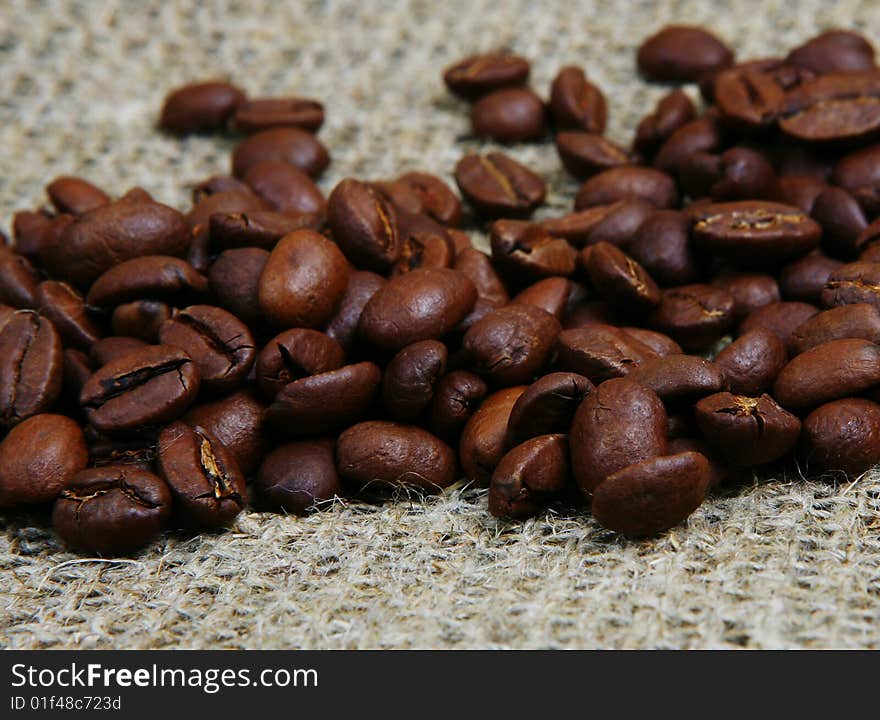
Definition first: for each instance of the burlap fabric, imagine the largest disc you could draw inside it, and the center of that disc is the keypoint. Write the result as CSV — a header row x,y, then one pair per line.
x,y
778,563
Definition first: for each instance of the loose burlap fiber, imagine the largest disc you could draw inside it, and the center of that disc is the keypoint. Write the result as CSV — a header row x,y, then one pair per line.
x,y
778,563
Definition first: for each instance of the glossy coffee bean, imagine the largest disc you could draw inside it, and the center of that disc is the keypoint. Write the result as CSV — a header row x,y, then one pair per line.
x,y
857,282
38,459
679,379
258,228
586,154
832,51
781,318
671,112
526,252
436,198
28,229
75,195
628,182
342,326
456,396
112,510
842,436
410,378
600,352
269,112
478,268
364,223
234,280
695,316
749,290
498,186
576,103
701,135
800,191
752,362
285,187
842,222
484,438
747,430
652,495
550,294
859,320
299,477
509,115
429,248
140,319
859,173
394,454
65,307
292,145
151,386
152,276
203,476
547,406
804,279
682,53
615,223
296,354
479,74
621,280
76,371
199,107
619,423
110,348
720,473
18,280
739,173
658,342
662,245
529,476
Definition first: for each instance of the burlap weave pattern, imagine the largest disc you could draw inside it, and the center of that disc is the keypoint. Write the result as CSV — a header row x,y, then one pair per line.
x,y
778,563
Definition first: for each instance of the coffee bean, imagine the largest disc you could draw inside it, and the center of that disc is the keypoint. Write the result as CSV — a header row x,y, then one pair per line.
x,y
509,115
498,186
296,354
682,53
576,103
136,195
842,222
410,378
65,307
653,495
827,372
234,280
600,352
550,294
511,345
620,279
833,51
342,326
259,229
747,430
526,252
857,282
288,144
800,191
394,454
750,291
77,369
859,320
804,279
151,386
18,280
112,510
140,319
420,305
224,202
203,476
859,173
752,362
736,174
38,459
364,224
781,318
199,107
628,182
270,112
285,188
327,402
74,195
843,436
28,229
672,111
479,74
577,227
303,280
586,154
151,276
529,476
456,396
679,379
696,316
547,406
658,342
720,473
422,248
108,349
483,440
700,135
437,200
478,268
748,98
300,476
31,367
619,423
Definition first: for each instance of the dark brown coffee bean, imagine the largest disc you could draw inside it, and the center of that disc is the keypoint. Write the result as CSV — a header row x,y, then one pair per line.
x,y
420,305
498,186
804,279
296,354
842,222
479,74
547,406
140,319
653,495
234,279
217,184
303,281
300,476
700,135
269,112
292,145
410,378
324,403
364,224
223,202
199,107
858,320
621,280
478,268
550,295
749,290
512,344
456,397
661,344
285,188
843,436
695,316
672,111
747,430
260,229
423,249
600,352
781,318
65,307
111,348
752,362
800,191
576,227
720,472
483,440
859,173
629,182
203,476
151,386
437,200
827,372
74,195
586,154
739,173
151,276
18,280
576,103
31,367
342,327
857,282
529,476
527,252
619,423
112,510
77,369
748,98
509,115
682,53
28,230
237,421
38,459
679,379
833,51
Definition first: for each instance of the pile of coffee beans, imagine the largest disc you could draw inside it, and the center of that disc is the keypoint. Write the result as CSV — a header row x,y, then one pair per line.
x,y
275,347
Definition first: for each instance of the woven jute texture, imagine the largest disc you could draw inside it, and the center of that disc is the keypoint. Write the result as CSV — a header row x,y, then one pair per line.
x,y
777,563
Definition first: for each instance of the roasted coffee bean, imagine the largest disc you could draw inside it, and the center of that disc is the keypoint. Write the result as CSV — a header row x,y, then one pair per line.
x,y
748,98
547,406
628,182
225,202
620,279
296,354
38,459
600,352
859,320
410,378
511,345
342,327
423,250
586,154
843,436
749,290
662,246
752,362
859,173
136,452
28,230
829,371
285,188
479,74
364,224
857,282
74,195
695,316
110,348
200,107
269,112
781,318
259,229
292,145
679,379
140,319
303,281
76,370
112,510
652,495
18,280
550,295
619,423
529,476
682,53
456,397
420,305
842,222
31,367
576,103
483,440
720,473
672,111
327,402
527,252
151,386
615,223
478,268
217,184
658,342
300,476
437,200
234,279
65,307
833,51
800,191
804,279
747,430
736,174
498,186
111,234
394,454
151,276
237,421
509,115
700,135
203,476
